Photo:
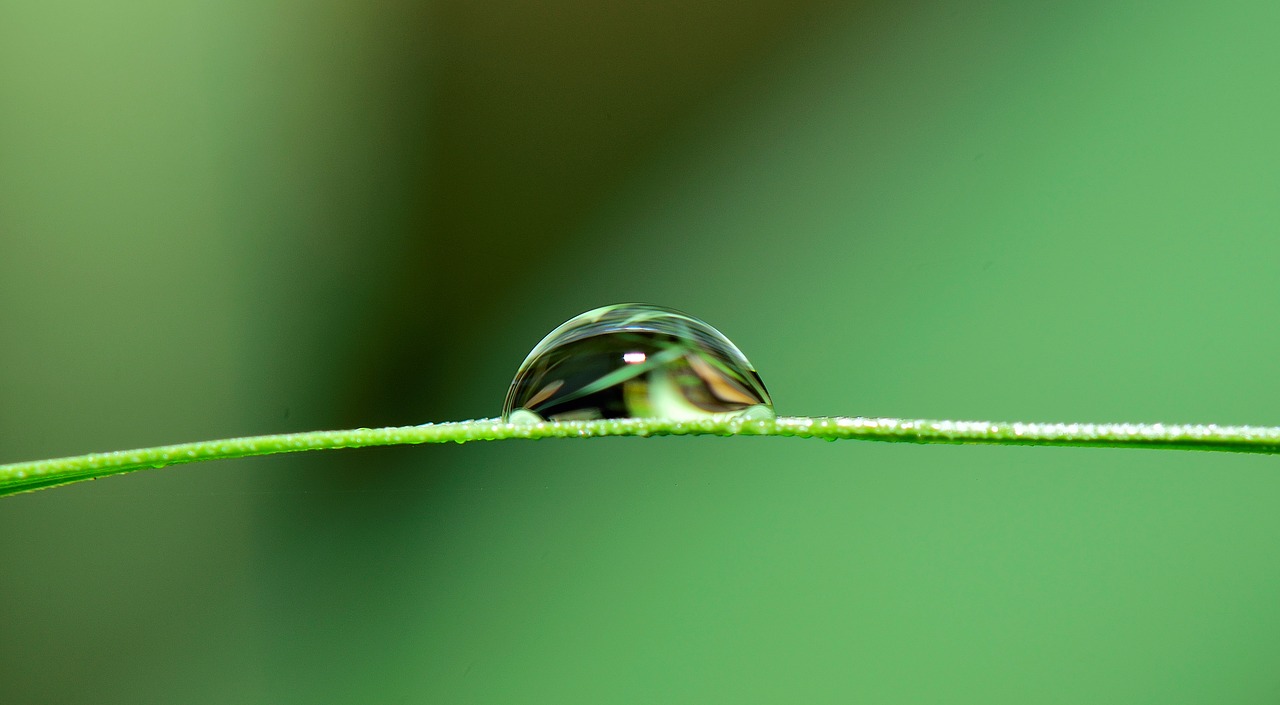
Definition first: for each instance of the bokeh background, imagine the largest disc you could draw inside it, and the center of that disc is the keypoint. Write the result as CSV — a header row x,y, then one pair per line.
x,y
229,218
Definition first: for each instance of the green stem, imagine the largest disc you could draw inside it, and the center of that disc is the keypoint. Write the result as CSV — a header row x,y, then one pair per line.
x,y
38,474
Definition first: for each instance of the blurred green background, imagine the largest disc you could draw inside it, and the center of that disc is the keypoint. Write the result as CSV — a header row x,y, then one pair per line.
x,y
227,218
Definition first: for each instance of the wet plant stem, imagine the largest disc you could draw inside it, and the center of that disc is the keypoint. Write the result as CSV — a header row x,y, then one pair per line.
x,y
39,474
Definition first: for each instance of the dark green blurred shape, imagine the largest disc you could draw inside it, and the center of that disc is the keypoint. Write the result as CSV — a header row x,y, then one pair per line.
x,y
220,219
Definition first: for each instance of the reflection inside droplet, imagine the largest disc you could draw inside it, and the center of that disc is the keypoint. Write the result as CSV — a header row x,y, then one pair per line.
x,y
635,360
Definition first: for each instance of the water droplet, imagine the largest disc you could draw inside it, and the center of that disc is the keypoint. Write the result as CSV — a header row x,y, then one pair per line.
x,y
635,360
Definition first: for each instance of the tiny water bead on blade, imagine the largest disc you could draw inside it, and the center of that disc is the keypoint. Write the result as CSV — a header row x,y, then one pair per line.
x,y
635,361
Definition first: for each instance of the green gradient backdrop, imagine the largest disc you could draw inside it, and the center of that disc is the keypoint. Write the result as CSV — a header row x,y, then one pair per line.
x,y
231,218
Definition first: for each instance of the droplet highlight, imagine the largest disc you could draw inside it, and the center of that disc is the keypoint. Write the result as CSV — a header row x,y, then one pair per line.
x,y
635,361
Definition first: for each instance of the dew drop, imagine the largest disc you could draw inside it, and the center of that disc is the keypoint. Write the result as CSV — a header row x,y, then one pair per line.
x,y
634,361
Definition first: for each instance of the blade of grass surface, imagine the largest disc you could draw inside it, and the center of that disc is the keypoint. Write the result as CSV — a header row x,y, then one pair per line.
x,y
39,474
